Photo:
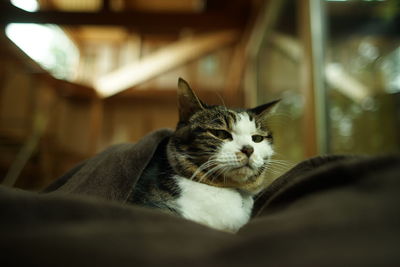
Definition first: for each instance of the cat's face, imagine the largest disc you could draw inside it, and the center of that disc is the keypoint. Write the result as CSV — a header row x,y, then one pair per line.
x,y
220,146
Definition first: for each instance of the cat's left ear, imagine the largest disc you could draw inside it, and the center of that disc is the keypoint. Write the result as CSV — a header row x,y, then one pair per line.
x,y
265,108
188,102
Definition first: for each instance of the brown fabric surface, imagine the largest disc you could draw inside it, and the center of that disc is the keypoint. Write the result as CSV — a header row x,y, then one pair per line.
x,y
113,173
326,211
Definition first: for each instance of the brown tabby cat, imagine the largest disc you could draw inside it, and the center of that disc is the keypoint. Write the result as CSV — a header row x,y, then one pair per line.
x,y
213,165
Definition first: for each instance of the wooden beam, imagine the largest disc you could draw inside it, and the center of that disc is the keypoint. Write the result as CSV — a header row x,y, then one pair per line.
x,y
144,22
162,61
309,127
315,131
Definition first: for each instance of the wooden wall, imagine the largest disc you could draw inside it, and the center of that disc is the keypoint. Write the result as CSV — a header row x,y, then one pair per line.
x,y
64,123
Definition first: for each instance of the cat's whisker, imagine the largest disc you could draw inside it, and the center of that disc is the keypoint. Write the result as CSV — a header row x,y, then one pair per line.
x,y
202,167
210,172
278,164
281,163
282,157
215,174
278,167
223,170
224,174
222,100
212,161
219,171
275,171
281,160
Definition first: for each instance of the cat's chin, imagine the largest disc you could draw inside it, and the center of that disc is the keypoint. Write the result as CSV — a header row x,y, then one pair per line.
x,y
244,178
241,174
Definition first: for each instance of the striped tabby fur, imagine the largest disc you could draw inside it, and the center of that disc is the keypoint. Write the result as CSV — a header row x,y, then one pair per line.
x,y
217,156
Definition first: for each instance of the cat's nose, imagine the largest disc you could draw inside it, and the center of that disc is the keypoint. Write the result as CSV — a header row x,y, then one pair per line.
x,y
248,150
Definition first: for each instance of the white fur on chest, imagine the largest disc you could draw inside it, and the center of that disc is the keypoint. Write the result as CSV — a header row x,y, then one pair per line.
x,y
220,208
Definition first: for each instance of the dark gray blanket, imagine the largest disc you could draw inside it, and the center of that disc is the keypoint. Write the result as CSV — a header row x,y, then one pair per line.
x,y
326,211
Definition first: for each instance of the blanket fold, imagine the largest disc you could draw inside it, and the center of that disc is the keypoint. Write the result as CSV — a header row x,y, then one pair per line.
x,y
113,173
326,211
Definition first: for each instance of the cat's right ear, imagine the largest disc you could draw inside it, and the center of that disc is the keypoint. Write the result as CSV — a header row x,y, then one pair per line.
x,y
188,102
265,108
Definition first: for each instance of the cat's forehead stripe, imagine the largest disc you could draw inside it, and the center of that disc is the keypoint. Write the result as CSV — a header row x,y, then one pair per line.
x,y
230,118
233,116
227,122
221,117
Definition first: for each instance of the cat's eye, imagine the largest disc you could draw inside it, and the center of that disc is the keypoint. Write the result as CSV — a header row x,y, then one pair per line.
x,y
221,134
257,138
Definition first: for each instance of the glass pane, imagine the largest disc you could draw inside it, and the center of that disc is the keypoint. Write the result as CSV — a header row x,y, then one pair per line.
x,y
363,76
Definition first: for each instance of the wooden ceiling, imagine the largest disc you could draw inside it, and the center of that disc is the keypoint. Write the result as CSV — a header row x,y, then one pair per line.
x,y
142,16
214,22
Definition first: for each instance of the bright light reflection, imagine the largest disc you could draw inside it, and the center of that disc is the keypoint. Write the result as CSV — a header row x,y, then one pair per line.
x,y
46,44
34,39
27,5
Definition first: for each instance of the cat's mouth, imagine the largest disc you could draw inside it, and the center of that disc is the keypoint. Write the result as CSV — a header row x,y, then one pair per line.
x,y
241,173
243,162
244,166
236,170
